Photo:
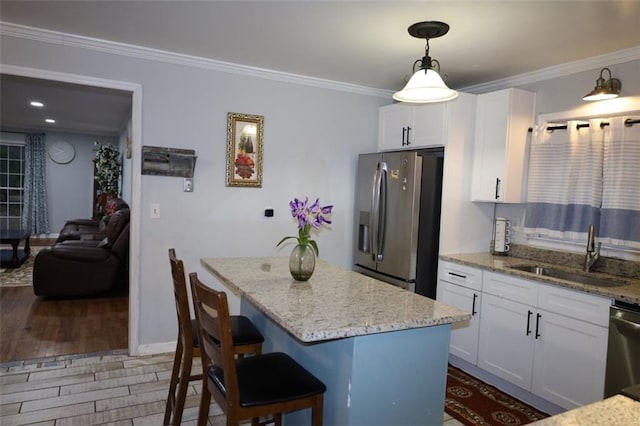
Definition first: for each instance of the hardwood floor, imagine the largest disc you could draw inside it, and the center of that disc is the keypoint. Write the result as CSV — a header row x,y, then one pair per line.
x,y
36,327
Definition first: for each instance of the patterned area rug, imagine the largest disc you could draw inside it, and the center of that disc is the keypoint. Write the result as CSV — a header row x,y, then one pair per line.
x,y
475,403
22,275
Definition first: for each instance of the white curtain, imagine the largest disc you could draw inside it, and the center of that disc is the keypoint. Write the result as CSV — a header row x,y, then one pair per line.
x,y
585,175
620,217
565,180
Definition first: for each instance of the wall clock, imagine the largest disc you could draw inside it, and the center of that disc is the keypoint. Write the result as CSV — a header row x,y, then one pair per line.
x,y
62,152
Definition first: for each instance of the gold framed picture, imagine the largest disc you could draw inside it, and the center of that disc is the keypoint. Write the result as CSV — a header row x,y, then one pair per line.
x,y
244,149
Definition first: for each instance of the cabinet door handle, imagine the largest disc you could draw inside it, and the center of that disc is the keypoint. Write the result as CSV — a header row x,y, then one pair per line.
x,y
408,130
538,316
529,313
497,187
404,130
473,305
457,275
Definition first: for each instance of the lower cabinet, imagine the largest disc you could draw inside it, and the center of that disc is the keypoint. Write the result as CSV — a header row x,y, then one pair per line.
x,y
464,335
544,346
506,343
569,361
459,286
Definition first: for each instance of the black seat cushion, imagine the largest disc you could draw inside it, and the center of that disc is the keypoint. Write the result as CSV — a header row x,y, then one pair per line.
x,y
242,330
270,378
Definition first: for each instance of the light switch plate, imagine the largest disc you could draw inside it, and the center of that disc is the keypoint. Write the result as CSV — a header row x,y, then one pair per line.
x,y
188,184
155,211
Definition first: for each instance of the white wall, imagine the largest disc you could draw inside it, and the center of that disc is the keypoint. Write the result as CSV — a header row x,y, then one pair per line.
x,y
311,140
70,186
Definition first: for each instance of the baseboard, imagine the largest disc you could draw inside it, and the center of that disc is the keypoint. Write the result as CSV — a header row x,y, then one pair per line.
x,y
506,387
154,348
43,239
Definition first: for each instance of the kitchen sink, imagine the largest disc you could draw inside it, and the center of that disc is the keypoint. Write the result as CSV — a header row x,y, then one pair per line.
x,y
569,276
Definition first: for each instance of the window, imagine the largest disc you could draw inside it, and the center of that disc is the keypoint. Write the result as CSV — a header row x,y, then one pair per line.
x,y
11,185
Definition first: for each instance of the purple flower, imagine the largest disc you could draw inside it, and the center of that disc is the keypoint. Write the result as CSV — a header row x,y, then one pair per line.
x,y
308,216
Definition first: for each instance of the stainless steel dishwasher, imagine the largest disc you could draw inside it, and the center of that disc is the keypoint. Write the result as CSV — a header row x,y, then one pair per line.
x,y
623,353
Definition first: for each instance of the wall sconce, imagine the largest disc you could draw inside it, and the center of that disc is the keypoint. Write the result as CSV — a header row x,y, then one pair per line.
x,y
605,89
426,85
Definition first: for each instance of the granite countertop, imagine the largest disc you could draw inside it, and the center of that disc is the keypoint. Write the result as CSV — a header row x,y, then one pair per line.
x,y
618,410
629,291
335,303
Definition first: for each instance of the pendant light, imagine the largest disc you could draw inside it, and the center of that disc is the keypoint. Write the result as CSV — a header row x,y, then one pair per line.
x,y
426,85
605,89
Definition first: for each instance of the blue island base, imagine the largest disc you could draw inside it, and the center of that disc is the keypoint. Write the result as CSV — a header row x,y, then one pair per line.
x,y
389,379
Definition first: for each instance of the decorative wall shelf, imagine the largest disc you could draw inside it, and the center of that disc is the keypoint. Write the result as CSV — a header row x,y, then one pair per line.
x,y
162,161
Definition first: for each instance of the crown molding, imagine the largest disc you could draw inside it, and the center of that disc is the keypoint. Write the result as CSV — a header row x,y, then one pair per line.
x,y
65,39
139,52
613,58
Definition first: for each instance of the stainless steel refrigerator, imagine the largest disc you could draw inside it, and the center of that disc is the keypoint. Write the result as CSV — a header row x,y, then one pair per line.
x,y
398,198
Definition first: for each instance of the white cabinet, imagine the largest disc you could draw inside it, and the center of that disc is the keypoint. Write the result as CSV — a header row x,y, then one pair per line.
x,y
460,286
506,350
506,344
571,351
500,152
404,126
548,340
569,360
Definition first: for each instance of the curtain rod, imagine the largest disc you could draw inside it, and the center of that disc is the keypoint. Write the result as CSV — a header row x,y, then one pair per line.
x,y
628,123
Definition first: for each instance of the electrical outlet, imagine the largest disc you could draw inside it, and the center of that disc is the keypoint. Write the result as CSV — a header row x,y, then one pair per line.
x,y
155,211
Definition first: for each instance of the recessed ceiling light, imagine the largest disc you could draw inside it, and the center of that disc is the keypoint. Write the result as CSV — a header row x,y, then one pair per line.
x,y
37,104
50,120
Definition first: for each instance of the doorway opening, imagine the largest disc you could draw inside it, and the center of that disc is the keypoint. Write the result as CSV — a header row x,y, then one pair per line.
x,y
131,186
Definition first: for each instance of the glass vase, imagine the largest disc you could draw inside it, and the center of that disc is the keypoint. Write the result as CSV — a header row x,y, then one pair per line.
x,y
302,262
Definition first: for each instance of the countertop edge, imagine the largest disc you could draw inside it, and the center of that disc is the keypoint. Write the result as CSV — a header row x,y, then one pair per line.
x,y
615,410
310,337
627,293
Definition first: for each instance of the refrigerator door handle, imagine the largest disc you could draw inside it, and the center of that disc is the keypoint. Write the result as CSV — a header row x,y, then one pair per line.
x,y
378,210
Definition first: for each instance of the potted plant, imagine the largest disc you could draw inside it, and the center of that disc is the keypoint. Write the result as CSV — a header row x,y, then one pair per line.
x,y
107,173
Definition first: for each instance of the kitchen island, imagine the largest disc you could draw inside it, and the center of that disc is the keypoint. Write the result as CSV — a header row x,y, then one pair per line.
x,y
381,351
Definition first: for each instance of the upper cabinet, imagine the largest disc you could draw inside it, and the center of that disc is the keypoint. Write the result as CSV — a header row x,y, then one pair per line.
x,y
503,119
405,126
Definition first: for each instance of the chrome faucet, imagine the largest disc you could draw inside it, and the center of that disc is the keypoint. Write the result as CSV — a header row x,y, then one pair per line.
x,y
592,254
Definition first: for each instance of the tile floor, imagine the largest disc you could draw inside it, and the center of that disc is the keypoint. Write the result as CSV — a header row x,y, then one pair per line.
x,y
95,389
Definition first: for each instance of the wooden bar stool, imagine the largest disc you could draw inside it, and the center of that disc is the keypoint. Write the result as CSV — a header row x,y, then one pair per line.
x,y
246,340
251,387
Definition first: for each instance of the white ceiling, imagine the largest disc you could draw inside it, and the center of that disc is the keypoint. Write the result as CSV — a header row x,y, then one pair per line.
x,y
360,42
76,108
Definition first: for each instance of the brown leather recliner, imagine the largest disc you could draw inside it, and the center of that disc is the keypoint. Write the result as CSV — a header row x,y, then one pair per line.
x,y
85,267
90,229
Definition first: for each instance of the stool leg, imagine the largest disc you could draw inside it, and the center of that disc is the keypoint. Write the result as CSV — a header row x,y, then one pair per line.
x,y
183,384
171,398
205,401
277,419
316,411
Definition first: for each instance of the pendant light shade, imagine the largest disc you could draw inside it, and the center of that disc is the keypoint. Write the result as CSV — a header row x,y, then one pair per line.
x,y
605,89
426,85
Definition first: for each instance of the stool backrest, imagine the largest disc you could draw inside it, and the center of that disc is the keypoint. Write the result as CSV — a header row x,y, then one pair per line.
x,y
182,300
214,328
